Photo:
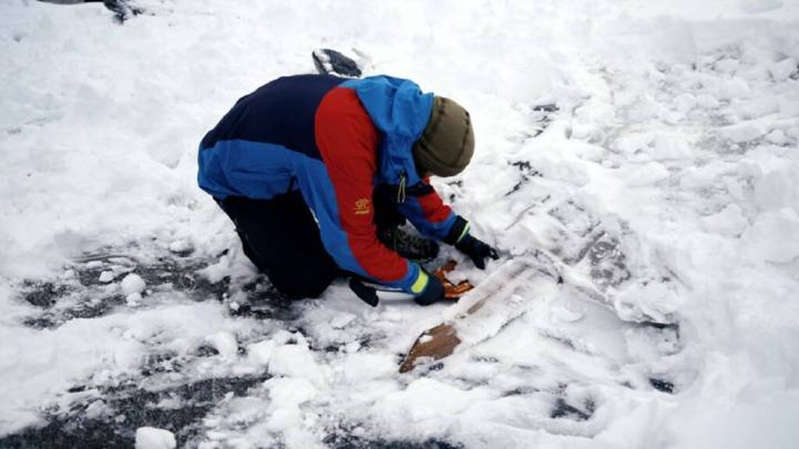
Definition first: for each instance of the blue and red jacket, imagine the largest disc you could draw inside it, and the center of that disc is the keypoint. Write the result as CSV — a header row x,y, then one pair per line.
x,y
334,139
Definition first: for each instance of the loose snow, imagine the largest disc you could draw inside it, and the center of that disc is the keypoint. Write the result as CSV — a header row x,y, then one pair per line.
x,y
639,156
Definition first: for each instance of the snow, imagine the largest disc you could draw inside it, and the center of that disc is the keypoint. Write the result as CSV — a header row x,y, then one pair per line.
x,y
294,360
342,320
106,276
261,352
224,343
132,287
662,191
428,399
181,246
132,284
152,438
765,237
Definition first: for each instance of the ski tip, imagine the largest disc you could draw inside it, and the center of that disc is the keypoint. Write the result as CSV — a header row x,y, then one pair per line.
x,y
434,344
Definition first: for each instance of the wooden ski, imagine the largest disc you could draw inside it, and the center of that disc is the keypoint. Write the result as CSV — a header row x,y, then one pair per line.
x,y
483,311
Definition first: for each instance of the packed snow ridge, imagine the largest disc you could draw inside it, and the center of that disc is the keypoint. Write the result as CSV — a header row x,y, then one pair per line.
x,y
636,160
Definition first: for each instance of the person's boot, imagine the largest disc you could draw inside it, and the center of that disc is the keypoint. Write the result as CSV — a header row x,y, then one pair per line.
x,y
409,246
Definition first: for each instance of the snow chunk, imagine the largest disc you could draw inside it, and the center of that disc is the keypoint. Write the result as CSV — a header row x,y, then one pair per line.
x,y
777,137
727,65
646,301
565,315
261,352
97,410
685,102
284,412
132,287
766,238
742,132
777,189
632,143
732,88
282,337
730,222
154,438
293,361
707,101
647,174
181,247
106,276
215,273
341,320
363,366
132,284
428,399
225,343
671,147
758,107
286,392
782,70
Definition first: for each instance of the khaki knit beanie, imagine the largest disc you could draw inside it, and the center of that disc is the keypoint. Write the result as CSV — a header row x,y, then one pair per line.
x,y
447,142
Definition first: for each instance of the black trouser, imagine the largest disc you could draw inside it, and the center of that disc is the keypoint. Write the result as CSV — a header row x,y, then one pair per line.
x,y
282,239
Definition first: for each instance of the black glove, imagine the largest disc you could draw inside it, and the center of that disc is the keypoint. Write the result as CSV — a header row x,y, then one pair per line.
x,y
433,291
476,250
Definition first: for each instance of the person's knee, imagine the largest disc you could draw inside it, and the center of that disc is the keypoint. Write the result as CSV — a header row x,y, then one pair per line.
x,y
308,281
298,287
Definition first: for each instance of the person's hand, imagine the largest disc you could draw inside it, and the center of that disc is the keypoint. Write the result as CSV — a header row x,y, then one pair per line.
x,y
433,291
477,250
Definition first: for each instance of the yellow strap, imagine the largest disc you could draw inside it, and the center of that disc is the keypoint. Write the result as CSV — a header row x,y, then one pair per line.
x,y
420,283
401,190
463,233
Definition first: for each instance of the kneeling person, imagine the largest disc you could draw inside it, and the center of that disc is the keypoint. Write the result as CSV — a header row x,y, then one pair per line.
x,y
317,172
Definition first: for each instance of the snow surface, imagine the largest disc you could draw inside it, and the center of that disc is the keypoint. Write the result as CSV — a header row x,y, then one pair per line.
x,y
661,190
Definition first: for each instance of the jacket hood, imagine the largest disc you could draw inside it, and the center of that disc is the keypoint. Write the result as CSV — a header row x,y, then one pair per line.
x,y
400,111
